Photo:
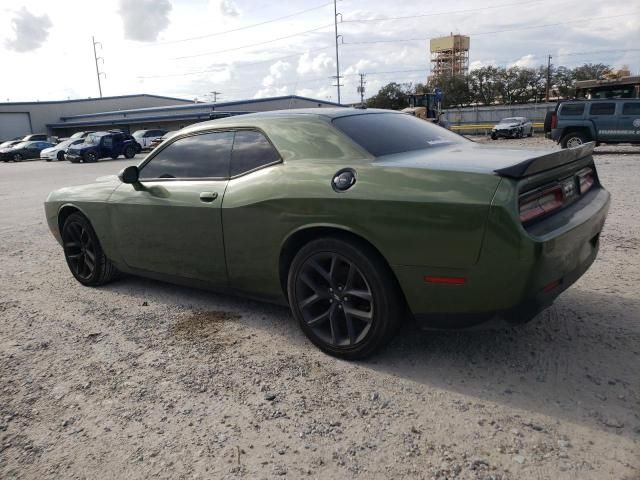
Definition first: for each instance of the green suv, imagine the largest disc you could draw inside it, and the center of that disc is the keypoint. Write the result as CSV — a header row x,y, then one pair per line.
x,y
604,121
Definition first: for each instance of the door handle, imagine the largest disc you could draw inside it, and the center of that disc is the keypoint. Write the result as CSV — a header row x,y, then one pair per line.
x,y
208,196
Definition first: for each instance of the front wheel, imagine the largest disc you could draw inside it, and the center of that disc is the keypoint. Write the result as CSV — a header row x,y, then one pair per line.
x,y
573,139
60,156
90,157
344,296
85,257
494,136
129,152
17,157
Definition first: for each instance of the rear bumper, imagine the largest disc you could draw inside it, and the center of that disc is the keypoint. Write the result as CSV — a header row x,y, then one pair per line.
x,y
518,273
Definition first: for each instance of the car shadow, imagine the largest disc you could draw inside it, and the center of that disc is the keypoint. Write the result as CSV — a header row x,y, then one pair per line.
x,y
577,361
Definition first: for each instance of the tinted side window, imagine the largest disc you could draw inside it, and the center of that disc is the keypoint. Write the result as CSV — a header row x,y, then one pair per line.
x,y
631,108
602,109
251,150
107,142
199,156
572,109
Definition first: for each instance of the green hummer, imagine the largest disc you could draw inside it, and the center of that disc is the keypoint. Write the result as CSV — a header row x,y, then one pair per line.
x,y
604,121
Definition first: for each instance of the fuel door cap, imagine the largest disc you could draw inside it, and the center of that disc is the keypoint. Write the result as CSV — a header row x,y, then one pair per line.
x,y
343,180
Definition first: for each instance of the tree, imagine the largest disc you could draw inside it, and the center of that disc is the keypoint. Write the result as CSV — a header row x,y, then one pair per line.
x,y
455,88
591,71
483,85
392,96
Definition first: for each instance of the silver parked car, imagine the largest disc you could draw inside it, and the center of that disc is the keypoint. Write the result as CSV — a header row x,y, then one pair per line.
x,y
512,127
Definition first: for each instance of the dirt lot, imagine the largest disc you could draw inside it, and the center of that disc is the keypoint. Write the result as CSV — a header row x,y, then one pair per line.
x,y
144,379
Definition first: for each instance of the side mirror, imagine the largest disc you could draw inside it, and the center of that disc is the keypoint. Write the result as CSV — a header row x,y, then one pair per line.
x,y
129,174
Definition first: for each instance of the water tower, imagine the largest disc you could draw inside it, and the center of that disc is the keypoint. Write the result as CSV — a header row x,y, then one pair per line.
x,y
449,55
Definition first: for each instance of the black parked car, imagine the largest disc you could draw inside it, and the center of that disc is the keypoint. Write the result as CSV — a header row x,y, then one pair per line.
x,y
23,150
99,145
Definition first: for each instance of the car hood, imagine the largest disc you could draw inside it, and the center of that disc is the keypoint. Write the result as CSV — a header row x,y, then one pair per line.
x,y
507,125
48,150
468,157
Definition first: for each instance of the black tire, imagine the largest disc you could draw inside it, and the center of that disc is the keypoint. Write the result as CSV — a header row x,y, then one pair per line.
x,y
357,281
17,157
530,134
519,134
80,244
90,157
114,157
60,156
129,151
547,122
573,139
494,136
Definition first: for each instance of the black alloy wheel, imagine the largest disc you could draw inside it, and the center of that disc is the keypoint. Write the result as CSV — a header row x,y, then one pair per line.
x,y
335,299
60,156
17,157
79,249
344,297
129,152
90,157
84,255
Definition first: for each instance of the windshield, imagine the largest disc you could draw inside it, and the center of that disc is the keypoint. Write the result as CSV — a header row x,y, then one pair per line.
x,y
77,135
389,133
6,144
139,133
510,120
93,138
66,143
21,144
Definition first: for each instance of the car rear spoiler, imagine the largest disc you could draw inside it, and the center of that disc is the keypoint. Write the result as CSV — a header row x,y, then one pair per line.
x,y
535,165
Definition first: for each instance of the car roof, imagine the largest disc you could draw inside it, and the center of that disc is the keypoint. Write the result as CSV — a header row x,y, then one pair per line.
x,y
257,118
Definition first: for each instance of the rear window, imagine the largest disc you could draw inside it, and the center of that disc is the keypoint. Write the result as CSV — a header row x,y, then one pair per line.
x,y
389,133
602,109
632,108
572,109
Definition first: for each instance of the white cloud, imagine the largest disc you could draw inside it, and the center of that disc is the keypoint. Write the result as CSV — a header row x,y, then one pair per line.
x,y
144,19
360,66
30,31
318,64
276,72
229,8
526,61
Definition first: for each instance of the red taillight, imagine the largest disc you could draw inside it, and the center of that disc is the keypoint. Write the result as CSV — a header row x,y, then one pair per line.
x,y
554,120
534,205
586,179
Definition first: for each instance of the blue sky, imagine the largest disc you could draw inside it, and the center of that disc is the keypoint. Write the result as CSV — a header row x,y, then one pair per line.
x,y
190,48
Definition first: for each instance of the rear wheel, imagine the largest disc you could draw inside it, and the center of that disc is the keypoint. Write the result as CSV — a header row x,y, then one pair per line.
x,y
344,297
17,157
573,139
130,151
494,136
85,257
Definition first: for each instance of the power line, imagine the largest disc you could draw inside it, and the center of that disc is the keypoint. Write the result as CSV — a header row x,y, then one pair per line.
x,y
422,39
246,27
435,14
254,44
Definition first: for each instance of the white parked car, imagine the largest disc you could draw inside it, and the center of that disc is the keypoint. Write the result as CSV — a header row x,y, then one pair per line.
x,y
145,137
57,151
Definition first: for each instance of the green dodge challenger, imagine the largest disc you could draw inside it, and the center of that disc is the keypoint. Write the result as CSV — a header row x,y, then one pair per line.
x,y
354,218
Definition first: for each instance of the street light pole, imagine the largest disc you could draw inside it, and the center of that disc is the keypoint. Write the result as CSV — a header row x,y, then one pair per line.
x,y
548,77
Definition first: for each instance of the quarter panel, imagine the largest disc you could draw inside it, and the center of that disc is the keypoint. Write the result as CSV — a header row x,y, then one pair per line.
x,y
412,216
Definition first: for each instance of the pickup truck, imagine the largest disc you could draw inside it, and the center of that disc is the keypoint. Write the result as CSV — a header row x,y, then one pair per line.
x,y
615,120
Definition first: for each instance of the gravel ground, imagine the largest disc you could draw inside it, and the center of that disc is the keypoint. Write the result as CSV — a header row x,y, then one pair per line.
x,y
143,379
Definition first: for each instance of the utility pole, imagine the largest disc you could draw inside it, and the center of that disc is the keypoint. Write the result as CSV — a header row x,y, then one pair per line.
x,y
96,58
548,77
335,22
215,95
360,89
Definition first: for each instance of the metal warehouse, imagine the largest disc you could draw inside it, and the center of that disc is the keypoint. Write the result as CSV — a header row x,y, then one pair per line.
x,y
130,113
